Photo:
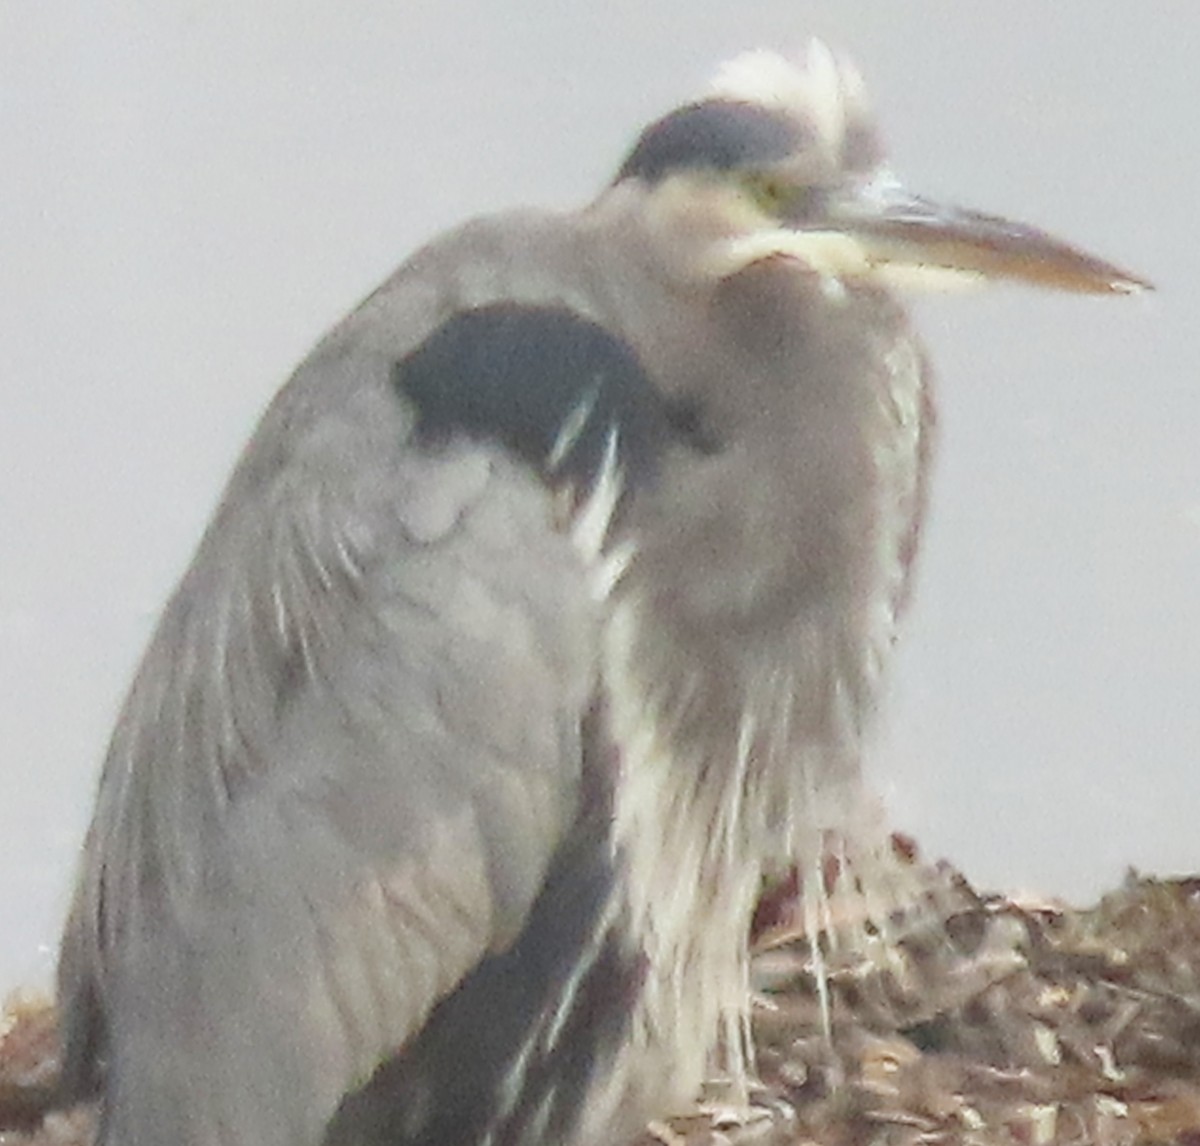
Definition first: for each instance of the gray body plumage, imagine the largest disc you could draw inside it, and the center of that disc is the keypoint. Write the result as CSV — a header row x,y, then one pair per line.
x,y
441,801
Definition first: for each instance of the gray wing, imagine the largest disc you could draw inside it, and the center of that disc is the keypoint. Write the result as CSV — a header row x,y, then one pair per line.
x,y
344,766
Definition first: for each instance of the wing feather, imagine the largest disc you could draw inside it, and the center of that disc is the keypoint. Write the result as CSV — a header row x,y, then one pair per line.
x,y
342,771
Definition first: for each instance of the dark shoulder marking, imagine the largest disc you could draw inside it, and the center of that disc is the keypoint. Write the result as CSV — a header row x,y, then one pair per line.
x,y
716,135
545,382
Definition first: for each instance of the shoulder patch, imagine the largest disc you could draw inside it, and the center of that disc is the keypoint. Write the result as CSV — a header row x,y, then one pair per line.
x,y
550,385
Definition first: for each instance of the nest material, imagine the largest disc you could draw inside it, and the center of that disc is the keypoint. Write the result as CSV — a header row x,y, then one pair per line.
x,y
970,1019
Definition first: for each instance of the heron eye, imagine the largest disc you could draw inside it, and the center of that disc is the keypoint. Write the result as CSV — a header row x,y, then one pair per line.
x,y
772,193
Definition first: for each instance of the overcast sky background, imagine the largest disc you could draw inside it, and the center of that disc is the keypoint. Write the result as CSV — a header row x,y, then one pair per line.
x,y
190,193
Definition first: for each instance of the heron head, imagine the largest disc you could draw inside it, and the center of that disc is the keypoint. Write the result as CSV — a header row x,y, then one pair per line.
x,y
784,158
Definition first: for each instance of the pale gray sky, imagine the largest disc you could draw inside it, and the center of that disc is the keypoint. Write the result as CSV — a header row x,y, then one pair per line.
x,y
191,192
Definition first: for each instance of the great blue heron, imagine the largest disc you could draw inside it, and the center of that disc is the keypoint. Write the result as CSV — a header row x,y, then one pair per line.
x,y
542,617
